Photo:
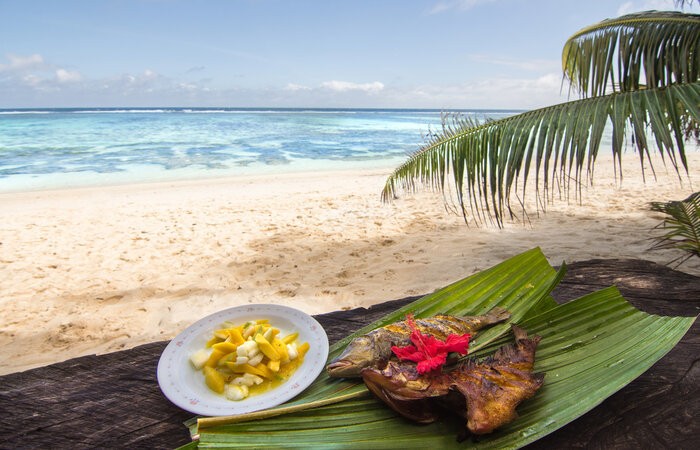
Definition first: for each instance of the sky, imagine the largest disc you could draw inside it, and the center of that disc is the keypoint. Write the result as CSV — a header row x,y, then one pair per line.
x,y
443,54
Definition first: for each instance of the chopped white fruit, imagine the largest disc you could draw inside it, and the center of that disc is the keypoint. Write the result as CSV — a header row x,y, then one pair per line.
x,y
200,357
247,379
268,334
292,351
235,391
255,360
250,346
242,360
249,331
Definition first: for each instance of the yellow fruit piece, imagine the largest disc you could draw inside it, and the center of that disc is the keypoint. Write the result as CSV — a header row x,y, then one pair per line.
x,y
262,321
290,338
229,357
213,341
260,370
215,381
265,371
267,348
302,349
235,336
226,347
214,358
281,349
274,366
221,334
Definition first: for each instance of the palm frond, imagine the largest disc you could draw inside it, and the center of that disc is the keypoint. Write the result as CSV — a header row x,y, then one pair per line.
x,y
681,226
558,145
644,50
638,73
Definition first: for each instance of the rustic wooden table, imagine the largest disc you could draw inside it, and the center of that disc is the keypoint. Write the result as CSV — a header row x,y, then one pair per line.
x,y
113,400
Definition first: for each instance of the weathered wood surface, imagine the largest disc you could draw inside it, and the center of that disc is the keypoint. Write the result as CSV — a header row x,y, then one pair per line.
x,y
113,400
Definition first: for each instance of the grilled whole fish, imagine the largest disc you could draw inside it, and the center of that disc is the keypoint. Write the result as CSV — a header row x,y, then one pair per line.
x,y
485,392
374,347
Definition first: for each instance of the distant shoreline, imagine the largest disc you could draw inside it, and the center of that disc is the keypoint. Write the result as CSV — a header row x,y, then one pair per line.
x,y
215,109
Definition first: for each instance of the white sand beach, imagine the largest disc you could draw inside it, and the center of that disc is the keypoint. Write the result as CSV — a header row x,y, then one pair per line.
x,y
94,270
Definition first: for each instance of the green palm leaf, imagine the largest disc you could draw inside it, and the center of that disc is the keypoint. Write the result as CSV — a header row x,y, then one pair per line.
x,y
654,49
558,143
590,348
681,226
637,74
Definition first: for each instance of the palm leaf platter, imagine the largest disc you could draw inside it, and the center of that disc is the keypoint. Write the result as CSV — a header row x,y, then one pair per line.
x,y
591,347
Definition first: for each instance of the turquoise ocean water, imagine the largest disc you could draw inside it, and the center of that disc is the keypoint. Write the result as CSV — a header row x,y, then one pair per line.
x,y
65,148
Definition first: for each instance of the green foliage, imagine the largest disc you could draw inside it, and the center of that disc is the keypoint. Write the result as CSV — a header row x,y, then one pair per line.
x,y
636,75
681,226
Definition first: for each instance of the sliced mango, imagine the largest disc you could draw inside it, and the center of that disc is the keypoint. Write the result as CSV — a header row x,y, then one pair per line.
x,y
247,368
302,349
274,366
226,347
213,341
221,334
265,371
229,357
214,358
267,348
290,338
235,336
215,381
281,349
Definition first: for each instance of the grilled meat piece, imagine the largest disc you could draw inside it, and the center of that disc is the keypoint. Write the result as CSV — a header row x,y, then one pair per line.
x,y
496,386
490,389
374,348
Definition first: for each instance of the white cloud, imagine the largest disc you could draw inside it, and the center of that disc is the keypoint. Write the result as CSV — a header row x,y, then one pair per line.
x,y
31,80
296,87
68,76
345,86
497,93
22,63
647,5
459,5
148,74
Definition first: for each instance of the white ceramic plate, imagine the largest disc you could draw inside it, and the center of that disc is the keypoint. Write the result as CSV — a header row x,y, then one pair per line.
x,y
184,386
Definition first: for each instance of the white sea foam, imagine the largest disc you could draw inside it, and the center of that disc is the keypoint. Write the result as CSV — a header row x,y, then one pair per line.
x,y
48,148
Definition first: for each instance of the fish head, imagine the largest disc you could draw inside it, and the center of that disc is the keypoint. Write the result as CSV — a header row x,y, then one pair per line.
x,y
401,381
393,385
361,352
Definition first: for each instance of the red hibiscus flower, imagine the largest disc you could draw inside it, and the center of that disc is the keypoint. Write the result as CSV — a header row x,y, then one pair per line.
x,y
430,353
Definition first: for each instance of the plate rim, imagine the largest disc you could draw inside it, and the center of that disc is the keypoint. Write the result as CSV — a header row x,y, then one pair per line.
x,y
176,350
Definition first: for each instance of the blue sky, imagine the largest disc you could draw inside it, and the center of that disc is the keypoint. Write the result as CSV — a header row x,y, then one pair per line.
x,y
445,54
